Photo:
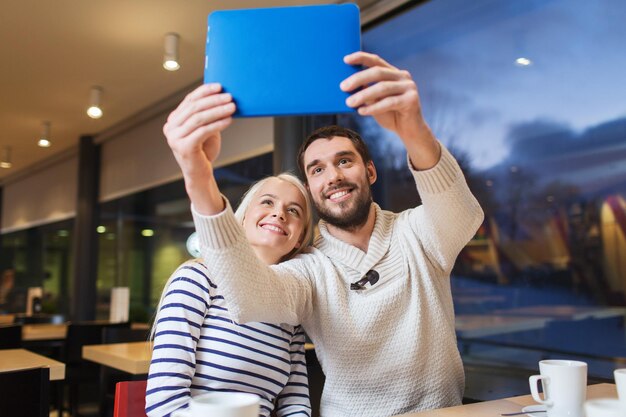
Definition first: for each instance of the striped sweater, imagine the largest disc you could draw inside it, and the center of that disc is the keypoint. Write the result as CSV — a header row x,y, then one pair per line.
x,y
198,349
386,350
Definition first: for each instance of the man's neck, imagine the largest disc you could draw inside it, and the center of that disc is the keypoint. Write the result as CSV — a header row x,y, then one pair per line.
x,y
360,236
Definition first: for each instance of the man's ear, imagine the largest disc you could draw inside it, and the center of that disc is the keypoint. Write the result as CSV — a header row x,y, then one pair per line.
x,y
371,172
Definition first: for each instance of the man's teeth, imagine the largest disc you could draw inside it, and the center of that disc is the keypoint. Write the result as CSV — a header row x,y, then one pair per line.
x,y
338,194
274,228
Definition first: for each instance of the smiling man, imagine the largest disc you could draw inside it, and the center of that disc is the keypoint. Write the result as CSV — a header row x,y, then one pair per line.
x,y
373,292
338,176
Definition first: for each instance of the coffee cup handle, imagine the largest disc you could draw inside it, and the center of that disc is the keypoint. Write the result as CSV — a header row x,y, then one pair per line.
x,y
535,391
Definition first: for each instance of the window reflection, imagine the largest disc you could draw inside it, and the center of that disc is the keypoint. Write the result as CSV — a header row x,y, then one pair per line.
x,y
529,96
40,257
142,237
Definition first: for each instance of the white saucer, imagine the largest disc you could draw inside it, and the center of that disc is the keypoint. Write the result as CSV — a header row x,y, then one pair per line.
x,y
531,410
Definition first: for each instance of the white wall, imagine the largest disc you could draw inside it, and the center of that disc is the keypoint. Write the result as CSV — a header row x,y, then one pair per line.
x,y
47,195
140,158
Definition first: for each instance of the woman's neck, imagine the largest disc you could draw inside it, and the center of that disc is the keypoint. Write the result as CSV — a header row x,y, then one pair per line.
x,y
266,254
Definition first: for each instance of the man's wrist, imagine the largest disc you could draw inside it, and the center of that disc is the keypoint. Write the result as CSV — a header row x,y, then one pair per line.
x,y
205,196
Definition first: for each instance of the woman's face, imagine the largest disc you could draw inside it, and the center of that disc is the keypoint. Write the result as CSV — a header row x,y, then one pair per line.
x,y
275,220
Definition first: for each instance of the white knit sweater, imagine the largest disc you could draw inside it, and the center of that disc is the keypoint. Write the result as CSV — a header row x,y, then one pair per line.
x,y
385,350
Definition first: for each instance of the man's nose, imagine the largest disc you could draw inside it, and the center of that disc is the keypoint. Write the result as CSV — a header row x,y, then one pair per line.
x,y
334,175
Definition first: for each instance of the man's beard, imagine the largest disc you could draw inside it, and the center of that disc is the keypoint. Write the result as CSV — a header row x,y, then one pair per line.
x,y
352,219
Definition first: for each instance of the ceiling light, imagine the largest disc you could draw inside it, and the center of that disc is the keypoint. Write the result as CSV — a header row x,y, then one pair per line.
x,y
44,140
147,232
6,158
523,62
170,57
94,111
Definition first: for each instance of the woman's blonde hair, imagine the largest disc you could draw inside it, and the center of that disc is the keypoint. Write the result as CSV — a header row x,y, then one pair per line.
x,y
240,214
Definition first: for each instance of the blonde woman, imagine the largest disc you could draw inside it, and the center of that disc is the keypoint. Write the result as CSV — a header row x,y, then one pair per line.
x,y
199,349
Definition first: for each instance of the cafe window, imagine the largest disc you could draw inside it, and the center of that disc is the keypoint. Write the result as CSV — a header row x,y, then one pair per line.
x,y
41,257
529,96
142,237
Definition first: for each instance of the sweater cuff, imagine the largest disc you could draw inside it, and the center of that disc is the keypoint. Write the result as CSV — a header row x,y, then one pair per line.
x,y
440,177
220,230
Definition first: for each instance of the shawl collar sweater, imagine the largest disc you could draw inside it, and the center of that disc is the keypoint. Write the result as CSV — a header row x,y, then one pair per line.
x,y
388,349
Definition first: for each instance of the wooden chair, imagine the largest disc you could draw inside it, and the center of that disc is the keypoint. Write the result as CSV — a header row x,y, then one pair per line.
x,y
81,375
109,377
11,336
130,399
25,393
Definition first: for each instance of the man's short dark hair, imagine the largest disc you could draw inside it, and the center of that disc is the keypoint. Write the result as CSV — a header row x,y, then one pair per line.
x,y
329,132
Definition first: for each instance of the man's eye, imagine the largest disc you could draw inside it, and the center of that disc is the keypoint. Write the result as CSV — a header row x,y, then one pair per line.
x,y
343,161
316,170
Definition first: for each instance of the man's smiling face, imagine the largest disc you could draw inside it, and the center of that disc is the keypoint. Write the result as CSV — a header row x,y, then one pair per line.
x,y
339,181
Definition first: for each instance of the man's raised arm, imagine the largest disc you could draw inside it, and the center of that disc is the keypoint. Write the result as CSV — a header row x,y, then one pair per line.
x,y
253,291
390,95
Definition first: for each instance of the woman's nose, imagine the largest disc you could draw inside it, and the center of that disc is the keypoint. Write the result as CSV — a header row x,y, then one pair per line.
x,y
279,213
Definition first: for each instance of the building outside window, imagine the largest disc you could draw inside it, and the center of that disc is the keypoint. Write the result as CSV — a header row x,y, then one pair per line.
x,y
529,96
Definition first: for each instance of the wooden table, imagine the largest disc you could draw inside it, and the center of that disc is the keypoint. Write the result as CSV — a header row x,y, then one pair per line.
x,y
565,312
475,325
7,318
19,359
506,405
33,332
133,357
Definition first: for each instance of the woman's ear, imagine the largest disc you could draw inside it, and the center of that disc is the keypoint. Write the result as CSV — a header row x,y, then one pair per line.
x,y
297,245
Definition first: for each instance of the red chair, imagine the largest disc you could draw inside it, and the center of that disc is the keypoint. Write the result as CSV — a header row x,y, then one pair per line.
x,y
130,399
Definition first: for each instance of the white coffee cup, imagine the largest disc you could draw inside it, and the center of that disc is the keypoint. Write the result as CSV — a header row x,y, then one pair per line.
x,y
620,381
564,385
604,407
221,404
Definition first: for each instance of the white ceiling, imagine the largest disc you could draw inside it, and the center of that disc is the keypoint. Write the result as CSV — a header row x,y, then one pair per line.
x,y
52,52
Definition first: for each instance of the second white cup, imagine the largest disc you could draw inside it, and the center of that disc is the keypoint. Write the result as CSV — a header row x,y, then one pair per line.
x,y
620,381
564,385
604,407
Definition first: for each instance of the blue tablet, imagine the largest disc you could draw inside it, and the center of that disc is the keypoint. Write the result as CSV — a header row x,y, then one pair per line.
x,y
284,60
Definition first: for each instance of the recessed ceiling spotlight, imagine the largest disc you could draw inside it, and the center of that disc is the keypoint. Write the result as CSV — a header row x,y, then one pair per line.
x,y
170,57
523,62
44,140
95,96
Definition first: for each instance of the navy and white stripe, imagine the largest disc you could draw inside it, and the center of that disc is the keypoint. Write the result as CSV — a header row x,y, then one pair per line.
x,y
198,349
